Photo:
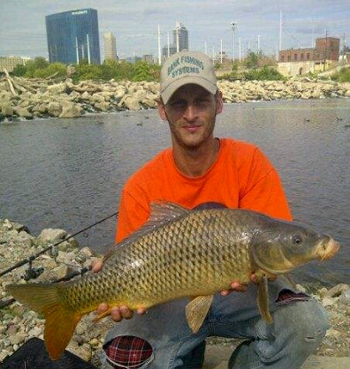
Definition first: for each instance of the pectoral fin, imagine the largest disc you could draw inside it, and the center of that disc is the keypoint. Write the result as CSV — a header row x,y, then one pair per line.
x,y
197,310
263,299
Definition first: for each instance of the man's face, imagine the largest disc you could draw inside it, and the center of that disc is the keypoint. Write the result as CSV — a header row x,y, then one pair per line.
x,y
191,113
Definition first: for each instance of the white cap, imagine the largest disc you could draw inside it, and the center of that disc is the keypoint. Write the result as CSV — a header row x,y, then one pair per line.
x,y
184,68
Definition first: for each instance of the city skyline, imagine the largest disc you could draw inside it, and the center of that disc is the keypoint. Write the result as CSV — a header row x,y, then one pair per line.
x,y
73,36
135,24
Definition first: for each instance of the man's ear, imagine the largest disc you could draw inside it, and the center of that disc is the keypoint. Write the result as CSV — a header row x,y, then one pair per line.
x,y
161,109
219,102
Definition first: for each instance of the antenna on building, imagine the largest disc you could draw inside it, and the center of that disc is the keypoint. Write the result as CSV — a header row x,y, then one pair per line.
x,y
221,51
168,44
88,48
77,49
159,50
177,37
281,25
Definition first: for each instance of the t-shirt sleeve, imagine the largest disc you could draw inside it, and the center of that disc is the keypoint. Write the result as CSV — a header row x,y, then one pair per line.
x,y
132,214
262,188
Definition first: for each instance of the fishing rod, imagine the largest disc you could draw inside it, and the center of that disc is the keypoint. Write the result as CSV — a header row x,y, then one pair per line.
x,y
30,273
30,259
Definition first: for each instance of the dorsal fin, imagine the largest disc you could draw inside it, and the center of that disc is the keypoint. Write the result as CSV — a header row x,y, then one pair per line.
x,y
165,211
162,212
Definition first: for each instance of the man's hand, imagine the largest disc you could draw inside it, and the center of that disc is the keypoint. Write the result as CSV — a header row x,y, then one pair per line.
x,y
117,313
239,287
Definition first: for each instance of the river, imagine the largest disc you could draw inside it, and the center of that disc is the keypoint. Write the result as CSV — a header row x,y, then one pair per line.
x,y
68,174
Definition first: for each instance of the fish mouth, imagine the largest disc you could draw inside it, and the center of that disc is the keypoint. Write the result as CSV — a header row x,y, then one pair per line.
x,y
327,249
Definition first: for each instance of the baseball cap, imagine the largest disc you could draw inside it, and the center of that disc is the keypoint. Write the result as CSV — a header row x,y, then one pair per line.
x,y
186,67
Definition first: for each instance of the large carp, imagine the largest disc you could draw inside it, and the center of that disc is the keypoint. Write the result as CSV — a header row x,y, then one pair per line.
x,y
178,253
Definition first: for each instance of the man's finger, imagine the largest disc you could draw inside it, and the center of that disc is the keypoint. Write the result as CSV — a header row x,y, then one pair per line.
x,y
102,308
97,265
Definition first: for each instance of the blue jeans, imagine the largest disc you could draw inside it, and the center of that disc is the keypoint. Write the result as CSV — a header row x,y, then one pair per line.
x,y
297,330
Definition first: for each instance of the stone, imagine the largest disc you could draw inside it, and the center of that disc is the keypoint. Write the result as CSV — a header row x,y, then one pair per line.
x,y
337,290
58,88
54,108
345,297
6,109
71,110
24,113
17,338
51,235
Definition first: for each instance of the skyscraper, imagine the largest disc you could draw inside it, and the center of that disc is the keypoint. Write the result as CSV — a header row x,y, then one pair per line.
x,y
73,36
110,46
180,43
180,37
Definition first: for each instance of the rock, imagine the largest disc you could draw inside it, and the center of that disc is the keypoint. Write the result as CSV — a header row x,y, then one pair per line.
x,y
337,290
345,297
17,338
58,88
6,109
102,106
71,70
54,109
83,351
24,113
71,110
51,235
327,301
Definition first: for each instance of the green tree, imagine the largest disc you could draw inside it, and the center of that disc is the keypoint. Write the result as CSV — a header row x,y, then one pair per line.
x,y
109,69
54,70
88,71
19,70
142,71
40,63
252,60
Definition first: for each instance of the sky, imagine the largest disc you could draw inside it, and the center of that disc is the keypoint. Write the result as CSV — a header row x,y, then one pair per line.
x,y
135,24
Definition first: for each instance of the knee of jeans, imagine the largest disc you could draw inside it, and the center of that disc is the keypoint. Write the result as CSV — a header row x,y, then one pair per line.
x,y
128,352
311,318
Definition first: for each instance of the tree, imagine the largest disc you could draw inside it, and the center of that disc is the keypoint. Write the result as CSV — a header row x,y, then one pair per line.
x,y
19,70
142,71
252,60
88,71
40,63
54,69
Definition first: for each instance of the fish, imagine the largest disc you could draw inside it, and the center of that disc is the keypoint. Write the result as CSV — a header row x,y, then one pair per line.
x,y
178,253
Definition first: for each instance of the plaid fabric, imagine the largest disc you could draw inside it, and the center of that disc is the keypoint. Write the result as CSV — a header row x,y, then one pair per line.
x,y
128,352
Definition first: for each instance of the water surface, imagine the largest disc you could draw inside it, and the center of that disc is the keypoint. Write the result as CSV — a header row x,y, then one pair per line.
x,y
68,174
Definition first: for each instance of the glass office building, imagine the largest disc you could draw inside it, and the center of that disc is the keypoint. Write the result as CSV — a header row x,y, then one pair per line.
x,y
73,36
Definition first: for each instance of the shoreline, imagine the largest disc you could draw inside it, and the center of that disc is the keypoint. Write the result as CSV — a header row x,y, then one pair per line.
x,y
18,324
39,98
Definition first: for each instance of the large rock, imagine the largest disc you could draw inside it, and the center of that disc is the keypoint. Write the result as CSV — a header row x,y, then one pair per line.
x,y
59,88
71,110
6,109
24,113
54,108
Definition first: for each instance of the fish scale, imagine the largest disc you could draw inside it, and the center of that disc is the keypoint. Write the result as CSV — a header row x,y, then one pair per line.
x,y
183,254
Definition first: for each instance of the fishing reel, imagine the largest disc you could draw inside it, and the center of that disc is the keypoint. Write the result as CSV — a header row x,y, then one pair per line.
x,y
32,273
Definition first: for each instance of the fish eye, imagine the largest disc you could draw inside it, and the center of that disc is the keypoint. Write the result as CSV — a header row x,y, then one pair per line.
x,y
297,239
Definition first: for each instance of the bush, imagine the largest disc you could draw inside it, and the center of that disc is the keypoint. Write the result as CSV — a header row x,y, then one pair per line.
x,y
342,76
265,73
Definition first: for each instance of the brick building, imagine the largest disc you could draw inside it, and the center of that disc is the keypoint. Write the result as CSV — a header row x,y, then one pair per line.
x,y
302,61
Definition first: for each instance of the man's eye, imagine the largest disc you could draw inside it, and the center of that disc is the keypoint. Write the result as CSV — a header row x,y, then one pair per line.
x,y
177,104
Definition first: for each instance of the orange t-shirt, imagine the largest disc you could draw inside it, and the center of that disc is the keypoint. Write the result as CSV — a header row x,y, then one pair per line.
x,y
241,177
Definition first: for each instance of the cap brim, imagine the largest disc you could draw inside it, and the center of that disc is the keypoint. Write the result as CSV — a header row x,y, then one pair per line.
x,y
186,80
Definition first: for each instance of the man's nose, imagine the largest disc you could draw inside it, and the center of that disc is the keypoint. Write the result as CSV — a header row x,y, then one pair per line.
x,y
191,112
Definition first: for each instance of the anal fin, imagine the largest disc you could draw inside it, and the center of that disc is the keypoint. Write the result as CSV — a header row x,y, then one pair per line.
x,y
197,310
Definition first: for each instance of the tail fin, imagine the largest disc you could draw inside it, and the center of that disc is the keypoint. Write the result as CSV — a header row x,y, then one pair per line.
x,y
60,321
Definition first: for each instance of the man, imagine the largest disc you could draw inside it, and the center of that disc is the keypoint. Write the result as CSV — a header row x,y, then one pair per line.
x,y
203,171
